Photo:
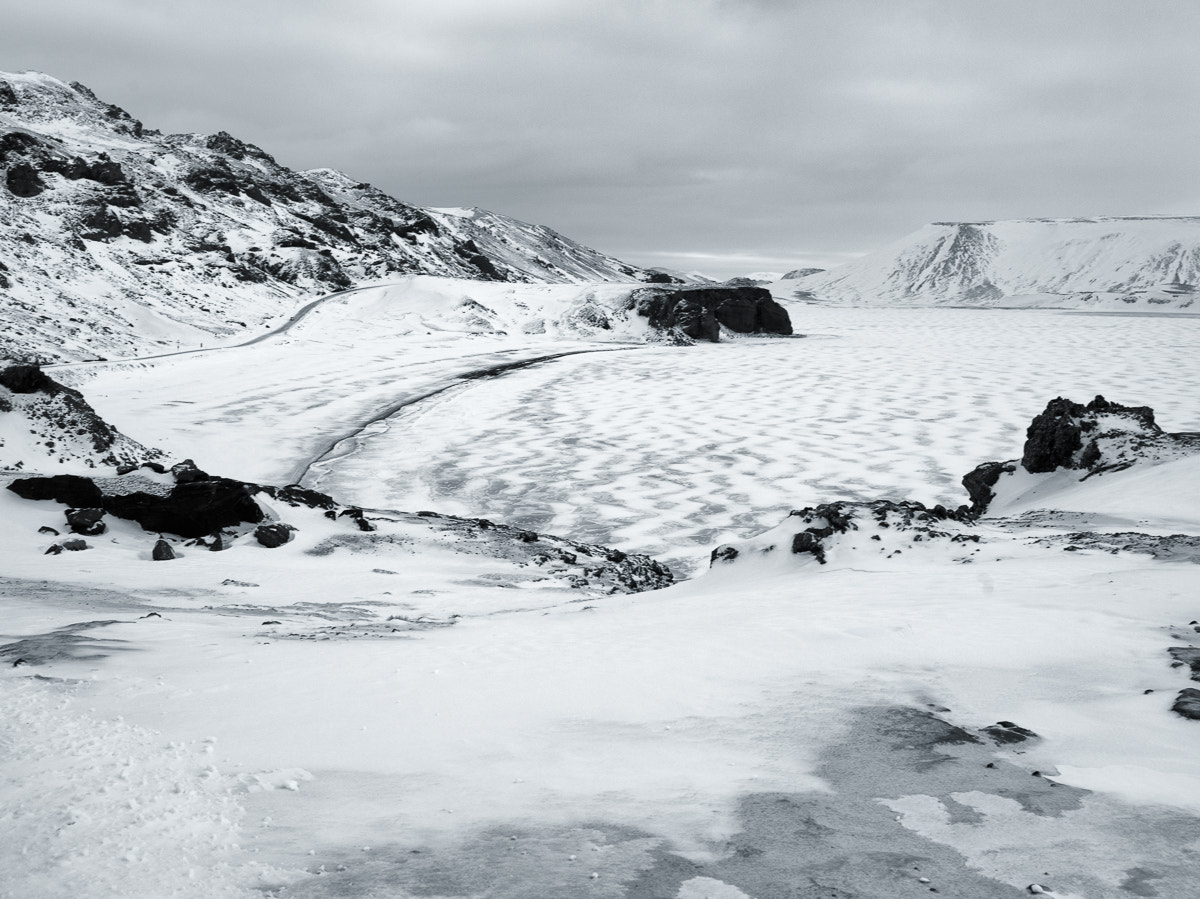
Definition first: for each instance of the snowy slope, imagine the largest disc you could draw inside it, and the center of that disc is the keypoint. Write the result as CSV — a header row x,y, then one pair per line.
x,y
1104,264
117,240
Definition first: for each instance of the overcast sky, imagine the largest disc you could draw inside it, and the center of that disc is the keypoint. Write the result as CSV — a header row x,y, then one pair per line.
x,y
726,136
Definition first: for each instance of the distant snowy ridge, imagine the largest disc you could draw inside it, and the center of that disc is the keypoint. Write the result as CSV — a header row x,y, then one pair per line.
x,y
116,239
1107,264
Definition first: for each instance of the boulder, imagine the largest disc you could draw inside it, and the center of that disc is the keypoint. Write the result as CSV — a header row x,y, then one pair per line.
x,y
1187,703
86,521
75,544
73,490
700,312
29,379
273,535
163,551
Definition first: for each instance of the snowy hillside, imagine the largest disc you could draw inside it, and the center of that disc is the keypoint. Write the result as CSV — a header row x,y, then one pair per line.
x,y
117,240
1104,264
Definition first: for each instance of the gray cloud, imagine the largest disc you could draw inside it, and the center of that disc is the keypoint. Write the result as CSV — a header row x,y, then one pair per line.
x,y
678,132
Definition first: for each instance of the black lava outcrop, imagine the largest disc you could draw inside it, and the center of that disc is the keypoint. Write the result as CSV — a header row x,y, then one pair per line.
x,y
1098,437
980,481
190,509
1056,438
699,313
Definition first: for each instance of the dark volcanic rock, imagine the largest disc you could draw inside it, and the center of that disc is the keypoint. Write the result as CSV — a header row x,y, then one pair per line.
x,y
699,312
295,495
273,535
31,379
163,551
86,521
192,509
981,480
1055,436
186,472
1008,732
1187,703
23,180
73,490
74,544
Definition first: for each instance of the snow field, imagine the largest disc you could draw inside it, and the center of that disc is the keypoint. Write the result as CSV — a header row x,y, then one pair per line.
x,y
658,712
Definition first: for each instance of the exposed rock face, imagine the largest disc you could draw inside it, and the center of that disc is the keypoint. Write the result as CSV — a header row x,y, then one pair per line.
x,y
1097,437
226,236
981,480
1068,435
66,424
700,312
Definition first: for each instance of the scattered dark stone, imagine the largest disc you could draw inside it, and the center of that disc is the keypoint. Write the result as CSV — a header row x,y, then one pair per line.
x,y
359,519
230,582
53,550
1187,655
273,535
219,543
809,542
75,545
47,530
272,621
73,490
163,551
295,495
527,536
727,553
1187,703
1008,732
86,521
186,472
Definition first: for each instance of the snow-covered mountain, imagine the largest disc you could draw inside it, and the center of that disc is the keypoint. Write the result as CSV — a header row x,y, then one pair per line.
x,y
117,239
1146,263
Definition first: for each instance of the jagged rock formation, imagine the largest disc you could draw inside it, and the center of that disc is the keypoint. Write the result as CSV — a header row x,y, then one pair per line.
x,y
116,239
40,418
1094,439
699,313
1146,263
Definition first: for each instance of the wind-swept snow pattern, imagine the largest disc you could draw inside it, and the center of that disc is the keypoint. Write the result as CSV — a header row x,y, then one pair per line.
x,y
397,704
1142,264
